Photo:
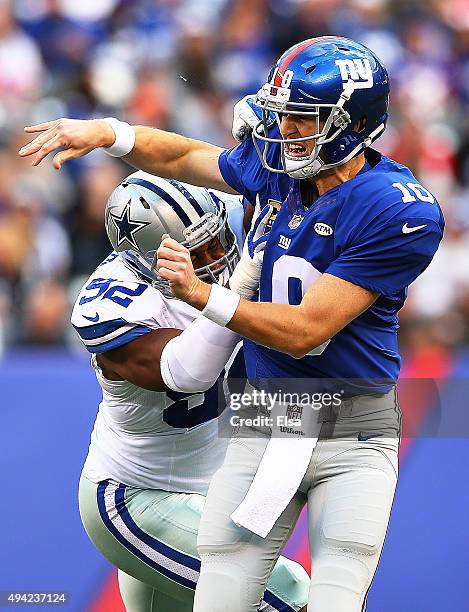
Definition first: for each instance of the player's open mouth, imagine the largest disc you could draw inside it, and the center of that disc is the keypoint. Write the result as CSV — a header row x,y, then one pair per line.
x,y
296,149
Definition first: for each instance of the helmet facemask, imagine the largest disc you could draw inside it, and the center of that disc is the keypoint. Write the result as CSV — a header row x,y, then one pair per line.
x,y
198,234
334,120
209,227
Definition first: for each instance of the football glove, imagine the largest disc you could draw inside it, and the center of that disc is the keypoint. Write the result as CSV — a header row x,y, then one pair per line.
x,y
246,115
246,275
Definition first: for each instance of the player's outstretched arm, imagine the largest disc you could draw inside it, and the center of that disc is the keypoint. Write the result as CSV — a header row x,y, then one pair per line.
x,y
155,151
174,156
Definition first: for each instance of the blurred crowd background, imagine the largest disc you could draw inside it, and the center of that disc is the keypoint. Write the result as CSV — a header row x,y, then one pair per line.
x,y
180,65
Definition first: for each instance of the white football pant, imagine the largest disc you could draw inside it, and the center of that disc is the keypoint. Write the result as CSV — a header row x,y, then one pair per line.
x,y
349,488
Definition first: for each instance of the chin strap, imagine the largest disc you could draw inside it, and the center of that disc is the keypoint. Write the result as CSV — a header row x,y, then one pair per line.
x,y
304,171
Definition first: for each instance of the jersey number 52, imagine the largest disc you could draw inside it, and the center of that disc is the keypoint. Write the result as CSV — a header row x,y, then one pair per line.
x,y
104,291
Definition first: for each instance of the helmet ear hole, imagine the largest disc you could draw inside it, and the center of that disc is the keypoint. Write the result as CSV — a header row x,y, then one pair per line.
x,y
360,124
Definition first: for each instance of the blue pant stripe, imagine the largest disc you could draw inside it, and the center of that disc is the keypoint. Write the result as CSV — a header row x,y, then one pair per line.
x,y
157,545
277,603
133,549
175,555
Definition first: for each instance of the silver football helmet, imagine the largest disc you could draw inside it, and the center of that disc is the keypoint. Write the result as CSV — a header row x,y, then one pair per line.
x,y
144,207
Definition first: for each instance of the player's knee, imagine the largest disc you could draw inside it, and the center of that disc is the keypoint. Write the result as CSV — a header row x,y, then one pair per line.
x,y
342,577
368,544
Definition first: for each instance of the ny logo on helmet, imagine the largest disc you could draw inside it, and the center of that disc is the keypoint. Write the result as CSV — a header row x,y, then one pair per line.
x,y
356,70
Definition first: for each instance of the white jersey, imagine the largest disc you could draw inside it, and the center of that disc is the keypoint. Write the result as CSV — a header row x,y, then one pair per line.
x,y
143,438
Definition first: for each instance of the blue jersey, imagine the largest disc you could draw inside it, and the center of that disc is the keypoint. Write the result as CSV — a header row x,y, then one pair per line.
x,y
378,230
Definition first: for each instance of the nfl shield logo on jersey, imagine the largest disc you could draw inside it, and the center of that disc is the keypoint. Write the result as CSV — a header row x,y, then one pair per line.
x,y
294,412
295,221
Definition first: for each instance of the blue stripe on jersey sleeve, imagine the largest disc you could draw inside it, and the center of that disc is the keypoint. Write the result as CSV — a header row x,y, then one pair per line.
x,y
90,332
132,334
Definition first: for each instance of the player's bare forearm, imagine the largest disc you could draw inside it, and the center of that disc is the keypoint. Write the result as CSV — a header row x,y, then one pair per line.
x,y
281,327
278,326
174,156
328,306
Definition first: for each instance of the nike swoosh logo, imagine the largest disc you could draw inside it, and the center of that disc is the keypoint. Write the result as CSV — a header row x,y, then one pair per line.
x,y
365,437
94,319
409,230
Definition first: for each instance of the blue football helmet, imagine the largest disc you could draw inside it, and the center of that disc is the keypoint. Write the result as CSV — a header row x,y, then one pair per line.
x,y
336,81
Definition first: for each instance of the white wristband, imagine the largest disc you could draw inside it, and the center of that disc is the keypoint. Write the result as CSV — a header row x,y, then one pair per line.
x,y
125,138
221,306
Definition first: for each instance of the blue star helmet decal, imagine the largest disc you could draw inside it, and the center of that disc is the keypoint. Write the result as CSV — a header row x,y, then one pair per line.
x,y
127,227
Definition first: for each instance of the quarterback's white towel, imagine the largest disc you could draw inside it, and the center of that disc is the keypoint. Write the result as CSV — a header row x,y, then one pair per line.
x,y
276,481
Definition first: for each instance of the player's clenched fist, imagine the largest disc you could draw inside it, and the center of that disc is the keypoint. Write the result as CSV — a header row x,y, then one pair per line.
x,y
175,265
76,137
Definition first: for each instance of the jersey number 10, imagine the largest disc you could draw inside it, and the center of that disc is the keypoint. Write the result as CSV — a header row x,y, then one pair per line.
x,y
411,192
